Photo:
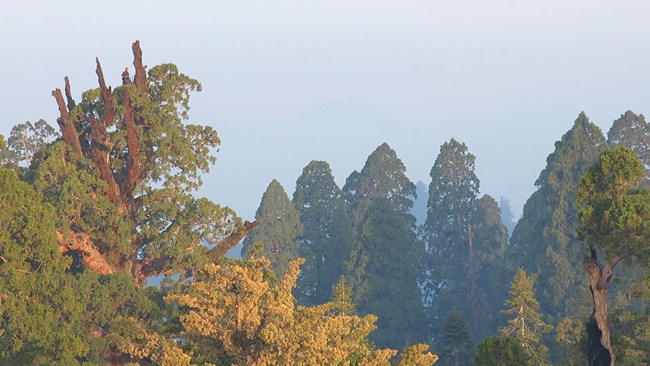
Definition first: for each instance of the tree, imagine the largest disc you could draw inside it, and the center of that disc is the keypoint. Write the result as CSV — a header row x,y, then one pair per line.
x,y
122,176
487,269
383,274
327,238
383,175
633,131
614,220
526,325
507,215
457,345
544,241
248,320
453,193
278,230
41,312
501,351
26,139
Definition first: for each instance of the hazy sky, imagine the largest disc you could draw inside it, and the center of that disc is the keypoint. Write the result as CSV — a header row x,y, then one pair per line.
x,y
286,82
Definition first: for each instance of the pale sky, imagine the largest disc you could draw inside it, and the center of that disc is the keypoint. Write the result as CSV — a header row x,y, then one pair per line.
x,y
286,82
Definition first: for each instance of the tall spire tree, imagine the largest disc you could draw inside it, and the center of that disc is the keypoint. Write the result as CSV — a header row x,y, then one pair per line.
x,y
278,230
452,201
544,241
383,175
327,238
383,275
633,131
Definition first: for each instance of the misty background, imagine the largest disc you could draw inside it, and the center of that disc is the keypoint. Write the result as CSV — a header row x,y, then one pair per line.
x,y
286,82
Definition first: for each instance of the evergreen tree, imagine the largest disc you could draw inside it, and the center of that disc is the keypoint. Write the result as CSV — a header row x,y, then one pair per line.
x,y
526,325
487,271
236,316
327,238
507,215
501,351
544,241
122,175
614,222
457,345
41,312
419,210
383,176
383,275
633,131
465,239
278,230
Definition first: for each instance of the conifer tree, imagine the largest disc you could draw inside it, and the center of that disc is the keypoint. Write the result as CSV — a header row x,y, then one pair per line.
x,y
278,230
122,175
544,241
41,312
465,239
526,324
383,275
384,176
327,238
457,346
613,217
633,131
501,351
236,316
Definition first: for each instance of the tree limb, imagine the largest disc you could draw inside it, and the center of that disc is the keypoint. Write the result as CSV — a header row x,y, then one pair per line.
x,y
229,242
68,130
68,94
91,257
140,72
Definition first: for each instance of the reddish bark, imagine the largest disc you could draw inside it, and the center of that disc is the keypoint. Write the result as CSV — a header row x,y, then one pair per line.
x,y
68,130
600,352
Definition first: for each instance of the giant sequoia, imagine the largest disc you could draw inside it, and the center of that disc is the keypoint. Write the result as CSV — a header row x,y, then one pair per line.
x,y
122,177
615,220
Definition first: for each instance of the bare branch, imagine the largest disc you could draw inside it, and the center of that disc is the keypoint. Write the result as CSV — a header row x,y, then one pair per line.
x,y
68,130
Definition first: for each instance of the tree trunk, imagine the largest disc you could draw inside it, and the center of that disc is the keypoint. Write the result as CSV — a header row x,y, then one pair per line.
x,y
599,347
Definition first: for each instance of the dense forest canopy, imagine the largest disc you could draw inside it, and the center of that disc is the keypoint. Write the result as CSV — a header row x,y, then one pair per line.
x,y
89,214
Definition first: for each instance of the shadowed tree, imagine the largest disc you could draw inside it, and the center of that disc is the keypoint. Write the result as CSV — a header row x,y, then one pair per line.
x,y
278,230
121,178
614,220
544,241
633,131
501,351
383,175
327,238
383,275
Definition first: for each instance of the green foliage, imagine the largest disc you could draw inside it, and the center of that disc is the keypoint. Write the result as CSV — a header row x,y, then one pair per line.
x,y
526,325
383,274
614,212
328,234
278,230
544,241
452,202
384,176
41,313
633,131
457,345
501,351
465,240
